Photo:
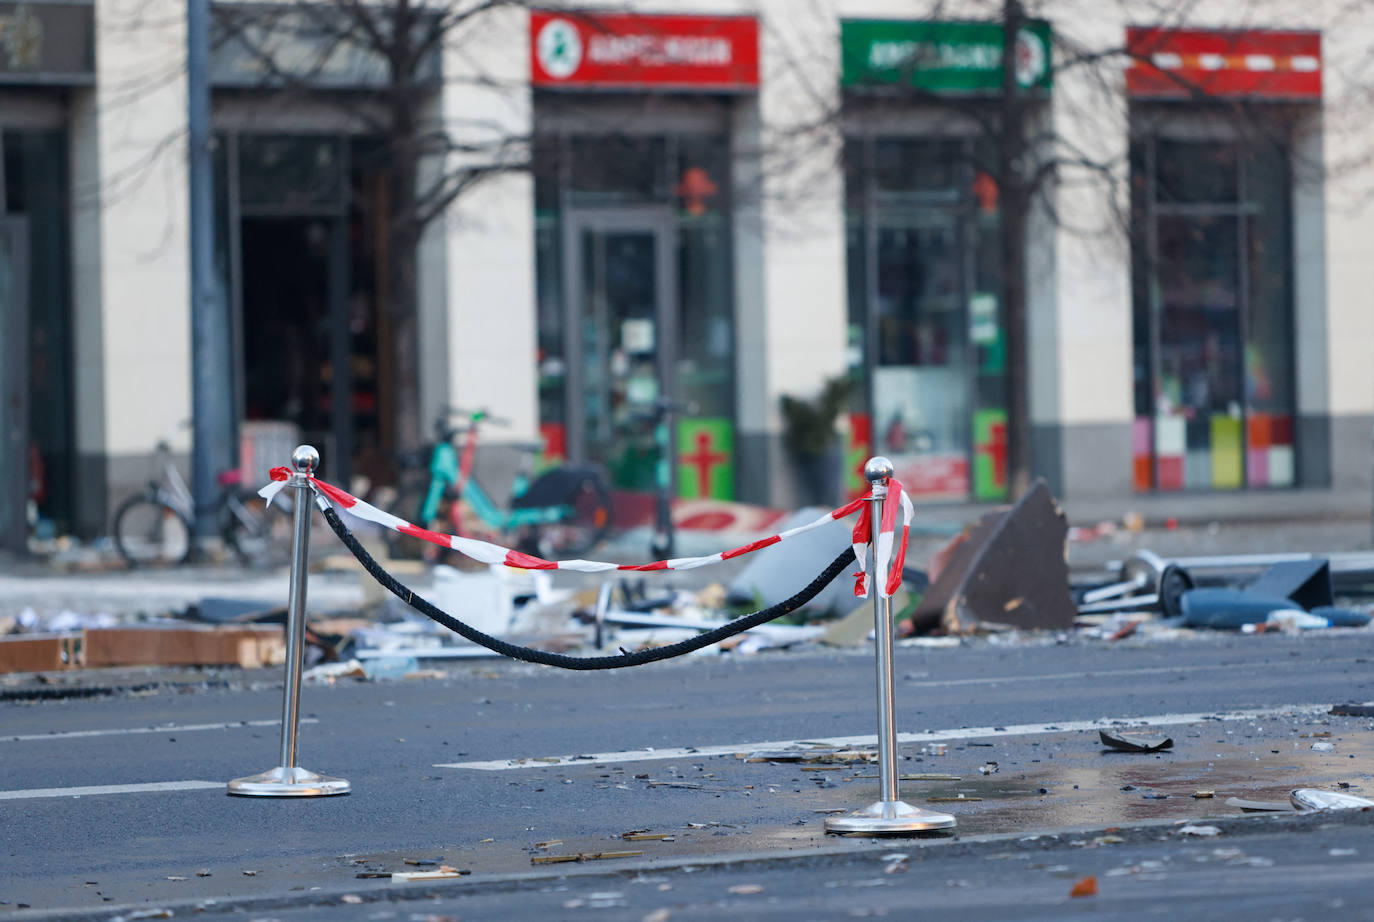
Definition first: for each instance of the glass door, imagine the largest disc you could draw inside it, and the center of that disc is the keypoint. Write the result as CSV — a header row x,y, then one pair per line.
x,y
921,406
623,343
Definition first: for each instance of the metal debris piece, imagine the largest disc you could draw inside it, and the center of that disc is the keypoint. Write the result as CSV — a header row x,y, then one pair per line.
x,y
988,768
810,755
1009,568
961,799
822,768
1203,831
443,873
423,862
746,889
1259,806
1125,743
646,836
1203,795
582,856
372,875
1352,710
1313,799
929,776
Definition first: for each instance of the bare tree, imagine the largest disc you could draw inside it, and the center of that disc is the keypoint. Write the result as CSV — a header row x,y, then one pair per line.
x,y
391,54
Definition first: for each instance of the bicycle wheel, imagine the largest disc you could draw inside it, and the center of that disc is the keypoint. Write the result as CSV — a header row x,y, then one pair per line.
x,y
588,521
256,533
150,533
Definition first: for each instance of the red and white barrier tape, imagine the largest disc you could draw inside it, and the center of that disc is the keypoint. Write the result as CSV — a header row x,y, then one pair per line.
x,y
486,552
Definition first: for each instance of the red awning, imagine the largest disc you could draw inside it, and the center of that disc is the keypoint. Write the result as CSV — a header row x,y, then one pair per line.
x,y
1190,63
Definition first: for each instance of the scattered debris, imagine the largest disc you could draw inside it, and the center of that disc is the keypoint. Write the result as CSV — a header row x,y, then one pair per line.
x,y
988,768
351,899
746,889
1086,886
1123,743
582,856
1204,795
810,755
959,799
1201,831
933,776
1323,747
647,836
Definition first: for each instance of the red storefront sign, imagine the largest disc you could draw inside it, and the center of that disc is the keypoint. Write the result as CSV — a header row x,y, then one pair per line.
x,y
1183,63
619,50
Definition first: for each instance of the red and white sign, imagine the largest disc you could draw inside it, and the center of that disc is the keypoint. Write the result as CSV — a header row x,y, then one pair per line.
x,y
620,50
1183,63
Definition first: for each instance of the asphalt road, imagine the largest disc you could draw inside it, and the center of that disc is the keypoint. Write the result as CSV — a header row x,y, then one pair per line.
x,y
1029,708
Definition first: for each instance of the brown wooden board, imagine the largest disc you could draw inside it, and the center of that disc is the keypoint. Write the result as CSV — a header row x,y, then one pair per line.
x,y
248,647
35,654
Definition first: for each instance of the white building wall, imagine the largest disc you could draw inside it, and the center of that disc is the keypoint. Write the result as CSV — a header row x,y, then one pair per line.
x,y
490,229
143,239
1349,158
795,227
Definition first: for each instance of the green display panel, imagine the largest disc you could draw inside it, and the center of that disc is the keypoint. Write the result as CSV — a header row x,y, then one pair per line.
x,y
706,458
990,455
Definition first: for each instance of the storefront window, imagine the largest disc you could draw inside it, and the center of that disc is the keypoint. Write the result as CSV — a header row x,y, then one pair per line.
x,y
1213,364
923,284
636,231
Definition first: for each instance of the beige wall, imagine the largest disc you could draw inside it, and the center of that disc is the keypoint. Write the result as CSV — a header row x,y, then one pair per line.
x,y
143,242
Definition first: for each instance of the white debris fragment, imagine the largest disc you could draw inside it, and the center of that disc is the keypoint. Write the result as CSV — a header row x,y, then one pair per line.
x,y
1203,831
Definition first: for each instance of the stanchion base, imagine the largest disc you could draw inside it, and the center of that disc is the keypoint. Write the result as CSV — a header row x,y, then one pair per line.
x,y
889,818
288,782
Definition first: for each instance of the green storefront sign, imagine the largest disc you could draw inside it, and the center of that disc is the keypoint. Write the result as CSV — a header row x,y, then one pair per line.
x,y
942,57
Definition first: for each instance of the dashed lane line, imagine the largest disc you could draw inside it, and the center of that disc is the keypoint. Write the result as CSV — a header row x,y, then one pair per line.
x,y
165,728
97,789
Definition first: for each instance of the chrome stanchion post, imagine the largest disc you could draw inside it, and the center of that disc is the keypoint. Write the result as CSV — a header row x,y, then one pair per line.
x,y
288,779
889,815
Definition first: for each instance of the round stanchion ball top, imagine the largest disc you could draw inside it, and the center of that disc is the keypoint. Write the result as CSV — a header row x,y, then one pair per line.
x,y
878,469
305,458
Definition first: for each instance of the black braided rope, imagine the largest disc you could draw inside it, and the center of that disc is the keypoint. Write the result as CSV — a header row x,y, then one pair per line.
x,y
544,658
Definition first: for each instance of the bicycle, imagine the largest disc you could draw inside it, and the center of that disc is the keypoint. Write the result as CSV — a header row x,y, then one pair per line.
x,y
153,528
562,513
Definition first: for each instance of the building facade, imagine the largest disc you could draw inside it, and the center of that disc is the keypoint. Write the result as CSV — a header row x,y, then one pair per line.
x,y
725,203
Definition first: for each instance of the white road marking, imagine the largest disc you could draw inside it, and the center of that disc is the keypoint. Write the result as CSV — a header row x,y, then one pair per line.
x,y
92,790
847,742
168,728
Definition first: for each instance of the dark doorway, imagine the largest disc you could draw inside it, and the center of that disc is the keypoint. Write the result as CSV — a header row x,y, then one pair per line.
x,y
309,352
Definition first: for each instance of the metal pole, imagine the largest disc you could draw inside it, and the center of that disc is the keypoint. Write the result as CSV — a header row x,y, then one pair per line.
x,y
889,816
882,652
211,390
295,625
288,779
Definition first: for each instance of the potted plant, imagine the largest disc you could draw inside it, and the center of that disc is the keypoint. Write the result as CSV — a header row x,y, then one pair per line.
x,y
811,438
